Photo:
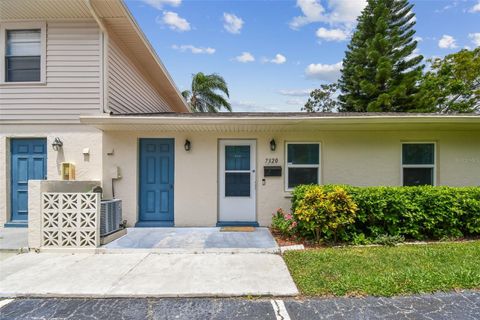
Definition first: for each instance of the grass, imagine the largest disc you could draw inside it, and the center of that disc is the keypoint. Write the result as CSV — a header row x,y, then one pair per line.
x,y
386,271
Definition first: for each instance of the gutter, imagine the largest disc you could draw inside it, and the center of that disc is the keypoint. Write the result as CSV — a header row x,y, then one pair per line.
x,y
104,51
256,120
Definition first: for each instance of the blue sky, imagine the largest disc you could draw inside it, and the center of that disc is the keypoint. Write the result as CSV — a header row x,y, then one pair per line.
x,y
272,53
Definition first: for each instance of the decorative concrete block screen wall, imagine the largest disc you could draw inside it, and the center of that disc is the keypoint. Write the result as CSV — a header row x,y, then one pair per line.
x,y
70,220
63,214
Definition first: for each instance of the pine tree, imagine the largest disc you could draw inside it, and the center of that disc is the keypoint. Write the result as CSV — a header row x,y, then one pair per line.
x,y
380,70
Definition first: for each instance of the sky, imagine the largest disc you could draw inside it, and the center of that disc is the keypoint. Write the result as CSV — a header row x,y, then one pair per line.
x,y
272,53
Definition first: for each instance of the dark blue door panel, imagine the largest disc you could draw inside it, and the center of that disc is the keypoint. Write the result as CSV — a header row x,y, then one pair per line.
x,y
156,182
28,162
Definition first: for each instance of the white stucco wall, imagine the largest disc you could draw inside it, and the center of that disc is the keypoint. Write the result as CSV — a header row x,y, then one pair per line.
x,y
74,137
363,158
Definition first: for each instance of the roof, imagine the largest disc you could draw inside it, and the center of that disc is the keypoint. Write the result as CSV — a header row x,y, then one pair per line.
x,y
280,122
116,18
299,114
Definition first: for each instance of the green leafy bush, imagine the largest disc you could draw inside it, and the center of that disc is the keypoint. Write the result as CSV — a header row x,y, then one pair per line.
x,y
324,212
419,213
388,240
284,223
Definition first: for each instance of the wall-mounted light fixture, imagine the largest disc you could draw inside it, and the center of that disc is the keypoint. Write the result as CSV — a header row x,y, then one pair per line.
x,y
57,144
273,145
187,145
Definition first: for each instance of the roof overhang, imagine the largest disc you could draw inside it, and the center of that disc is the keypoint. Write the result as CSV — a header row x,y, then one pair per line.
x,y
118,22
280,123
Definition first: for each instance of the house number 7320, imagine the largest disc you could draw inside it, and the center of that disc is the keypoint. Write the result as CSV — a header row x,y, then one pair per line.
x,y
271,160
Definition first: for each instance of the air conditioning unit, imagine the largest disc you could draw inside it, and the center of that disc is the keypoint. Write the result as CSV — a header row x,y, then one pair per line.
x,y
110,216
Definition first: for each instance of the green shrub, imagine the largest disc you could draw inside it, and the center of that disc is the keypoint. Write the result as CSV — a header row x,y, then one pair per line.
x,y
388,240
324,212
418,213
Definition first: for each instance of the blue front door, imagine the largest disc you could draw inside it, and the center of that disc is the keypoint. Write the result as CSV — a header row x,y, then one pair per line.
x,y
28,162
156,182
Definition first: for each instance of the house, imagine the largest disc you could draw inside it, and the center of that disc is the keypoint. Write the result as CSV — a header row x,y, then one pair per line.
x,y
80,84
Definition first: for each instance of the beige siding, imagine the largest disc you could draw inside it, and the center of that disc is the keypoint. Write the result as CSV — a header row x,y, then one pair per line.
x,y
129,91
73,77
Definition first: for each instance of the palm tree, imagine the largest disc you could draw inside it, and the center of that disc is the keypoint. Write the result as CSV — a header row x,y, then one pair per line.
x,y
206,94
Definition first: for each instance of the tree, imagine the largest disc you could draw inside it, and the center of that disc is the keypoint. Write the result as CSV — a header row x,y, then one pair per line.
x,y
206,93
323,99
453,84
380,70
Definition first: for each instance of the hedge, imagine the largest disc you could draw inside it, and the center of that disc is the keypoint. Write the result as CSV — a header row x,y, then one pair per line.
x,y
418,213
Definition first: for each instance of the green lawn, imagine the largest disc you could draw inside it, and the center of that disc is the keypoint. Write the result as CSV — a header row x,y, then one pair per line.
x,y
386,271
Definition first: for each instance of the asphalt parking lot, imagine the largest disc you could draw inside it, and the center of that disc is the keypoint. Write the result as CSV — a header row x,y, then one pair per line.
x,y
463,305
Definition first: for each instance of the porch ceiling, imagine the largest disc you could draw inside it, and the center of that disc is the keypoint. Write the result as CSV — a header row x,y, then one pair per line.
x,y
281,122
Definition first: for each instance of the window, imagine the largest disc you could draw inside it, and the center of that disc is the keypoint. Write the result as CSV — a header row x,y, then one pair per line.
x,y
303,164
22,55
418,164
237,171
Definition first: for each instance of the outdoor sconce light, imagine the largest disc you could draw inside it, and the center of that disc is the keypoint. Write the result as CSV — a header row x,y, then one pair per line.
x,y
57,144
273,145
187,145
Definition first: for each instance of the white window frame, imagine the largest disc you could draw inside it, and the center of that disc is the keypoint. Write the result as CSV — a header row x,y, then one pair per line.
x,y
287,165
4,27
434,165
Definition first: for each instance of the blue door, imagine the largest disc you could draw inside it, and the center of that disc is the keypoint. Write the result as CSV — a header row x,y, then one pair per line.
x,y
156,182
28,162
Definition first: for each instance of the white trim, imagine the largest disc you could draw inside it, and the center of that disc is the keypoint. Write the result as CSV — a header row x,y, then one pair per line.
x,y
432,166
42,25
237,208
287,165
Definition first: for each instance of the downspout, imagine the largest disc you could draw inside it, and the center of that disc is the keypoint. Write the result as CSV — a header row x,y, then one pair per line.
x,y
104,54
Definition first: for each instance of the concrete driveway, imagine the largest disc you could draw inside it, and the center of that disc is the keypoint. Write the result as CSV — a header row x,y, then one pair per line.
x,y
144,275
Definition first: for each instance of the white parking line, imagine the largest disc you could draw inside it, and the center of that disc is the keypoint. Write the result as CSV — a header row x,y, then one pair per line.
x,y
4,302
280,310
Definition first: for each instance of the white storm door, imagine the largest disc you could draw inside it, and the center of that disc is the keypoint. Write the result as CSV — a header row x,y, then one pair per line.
x,y
237,181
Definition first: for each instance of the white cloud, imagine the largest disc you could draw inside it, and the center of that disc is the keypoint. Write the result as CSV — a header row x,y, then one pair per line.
x,y
331,34
158,4
174,21
475,38
279,59
339,12
296,102
447,42
295,92
312,11
326,72
476,7
232,23
418,39
193,49
245,57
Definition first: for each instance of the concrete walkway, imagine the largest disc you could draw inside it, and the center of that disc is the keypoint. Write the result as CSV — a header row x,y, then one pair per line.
x,y
13,239
144,275
192,240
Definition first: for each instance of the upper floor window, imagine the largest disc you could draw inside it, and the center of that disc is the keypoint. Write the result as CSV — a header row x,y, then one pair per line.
x,y
303,164
418,164
23,55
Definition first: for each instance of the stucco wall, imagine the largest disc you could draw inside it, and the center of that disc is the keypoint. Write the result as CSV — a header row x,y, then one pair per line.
x,y
74,137
364,158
